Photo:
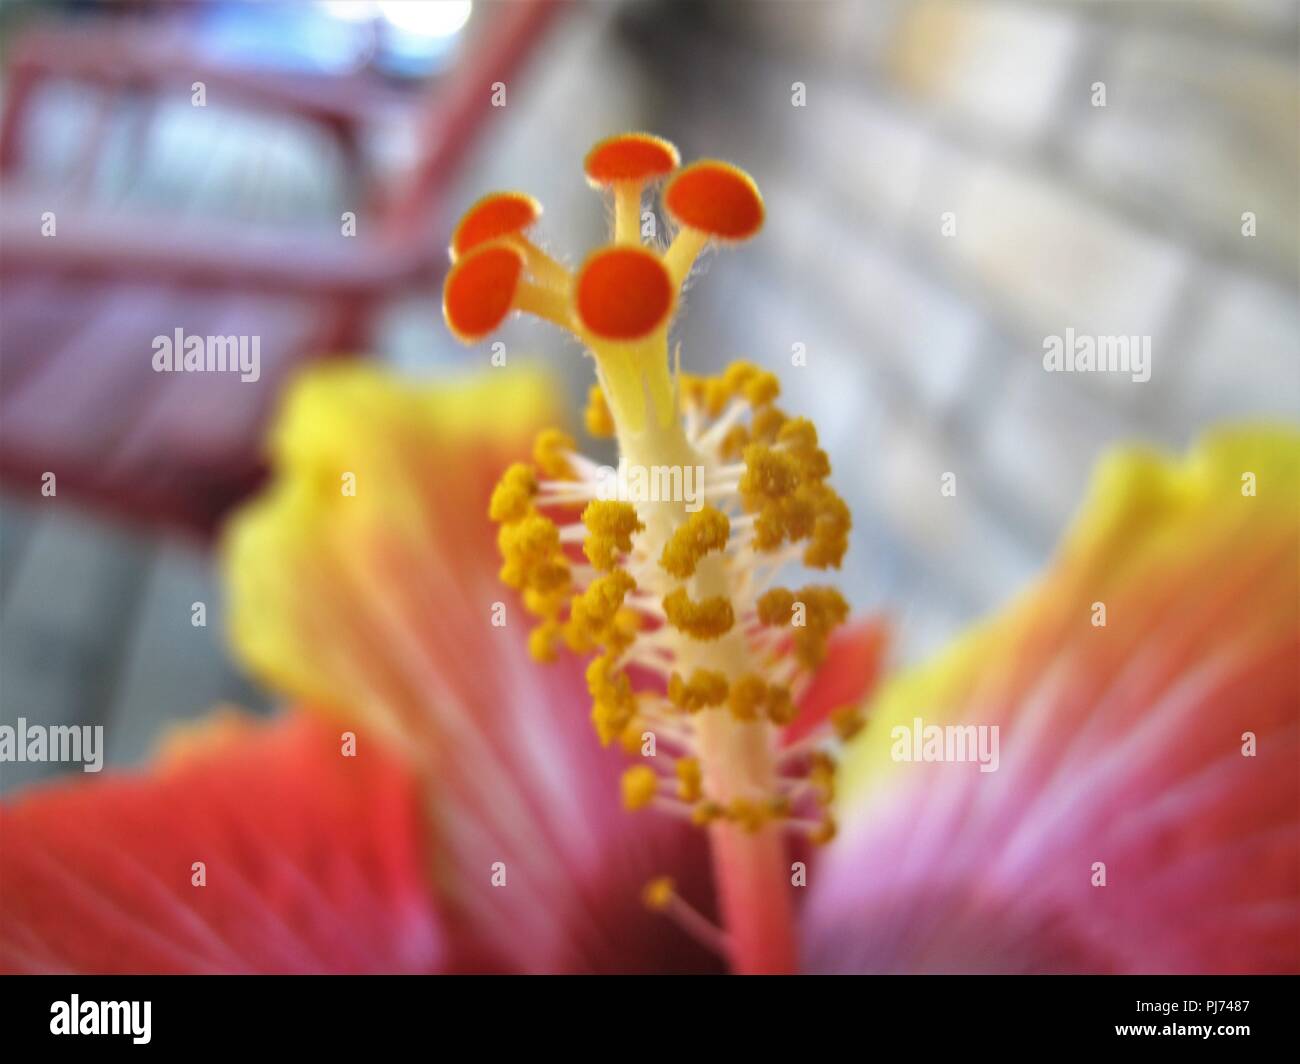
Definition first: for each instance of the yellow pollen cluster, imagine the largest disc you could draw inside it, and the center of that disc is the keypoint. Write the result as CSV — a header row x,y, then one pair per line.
x,y
658,894
784,485
613,703
597,418
551,453
610,527
696,665
594,615
707,812
847,722
639,786
710,618
705,688
748,814
690,779
752,698
812,611
706,530
512,498
821,775
824,831
740,380
531,549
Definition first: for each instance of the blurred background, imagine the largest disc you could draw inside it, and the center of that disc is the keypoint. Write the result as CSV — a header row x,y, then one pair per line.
x,y
924,348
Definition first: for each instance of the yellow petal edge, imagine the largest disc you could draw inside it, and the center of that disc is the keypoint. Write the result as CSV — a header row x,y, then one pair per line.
x,y
296,539
1143,509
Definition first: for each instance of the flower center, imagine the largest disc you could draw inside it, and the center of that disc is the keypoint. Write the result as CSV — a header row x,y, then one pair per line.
x,y
666,569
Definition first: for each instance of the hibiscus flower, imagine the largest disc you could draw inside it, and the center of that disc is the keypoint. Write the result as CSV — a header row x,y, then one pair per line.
x,y
673,765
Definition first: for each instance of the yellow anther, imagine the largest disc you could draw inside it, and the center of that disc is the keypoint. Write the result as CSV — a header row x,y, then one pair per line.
x,y
594,611
546,604
768,475
776,607
747,696
762,388
716,395
659,893
821,774
798,438
825,605
766,424
798,434
611,526
705,530
551,451
531,552
737,375
543,641
619,636
710,618
824,608
512,498
813,611
612,519
630,738
777,807
597,417
639,785
734,442
614,704
705,813
847,722
535,538
602,677
784,485
824,831
793,517
769,529
690,390
830,534
780,706
705,688
748,815
690,779
552,575
577,638
609,720
745,380
799,511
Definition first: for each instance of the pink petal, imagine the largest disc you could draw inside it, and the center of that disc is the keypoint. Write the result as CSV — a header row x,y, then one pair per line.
x,y
1120,744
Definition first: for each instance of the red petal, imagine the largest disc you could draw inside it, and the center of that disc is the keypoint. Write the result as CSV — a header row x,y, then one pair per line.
x,y
851,669
313,863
